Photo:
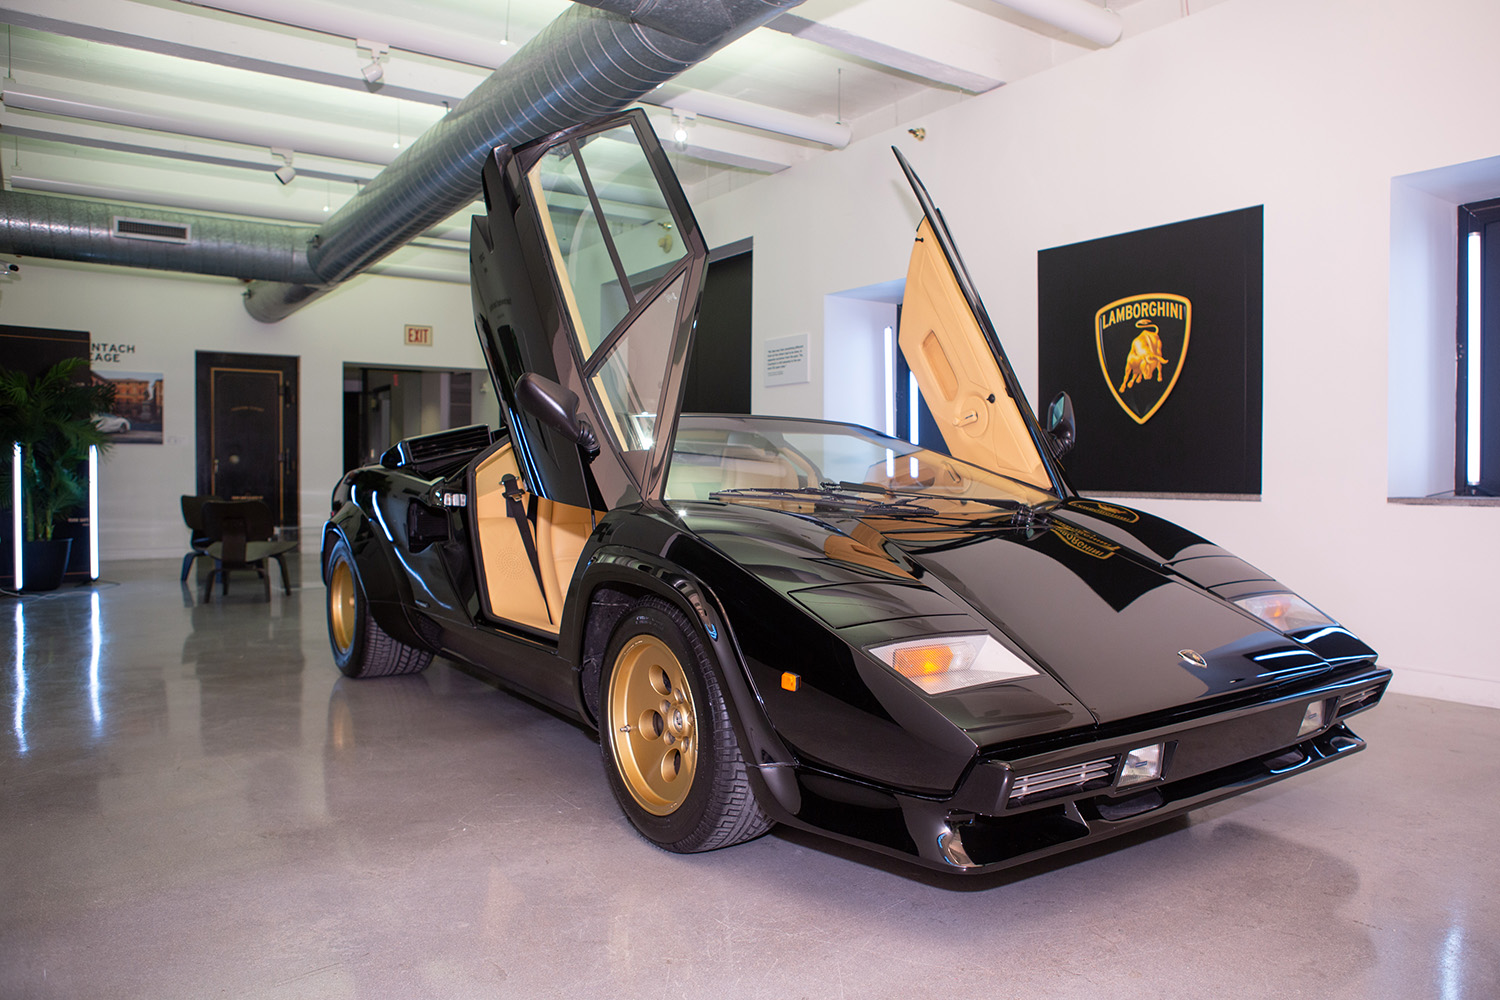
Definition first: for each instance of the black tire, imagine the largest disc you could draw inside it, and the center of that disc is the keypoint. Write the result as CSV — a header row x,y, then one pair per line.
x,y
669,749
362,648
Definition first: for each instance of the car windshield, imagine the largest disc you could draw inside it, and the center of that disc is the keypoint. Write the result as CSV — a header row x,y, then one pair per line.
x,y
756,455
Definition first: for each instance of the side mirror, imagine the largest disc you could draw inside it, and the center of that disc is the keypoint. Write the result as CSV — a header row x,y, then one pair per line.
x,y
557,407
1059,424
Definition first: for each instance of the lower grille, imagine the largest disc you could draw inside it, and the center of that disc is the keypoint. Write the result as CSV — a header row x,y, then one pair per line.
x,y
1358,701
1063,780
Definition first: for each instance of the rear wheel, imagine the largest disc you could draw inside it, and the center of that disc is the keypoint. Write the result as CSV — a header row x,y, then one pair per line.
x,y
361,648
669,749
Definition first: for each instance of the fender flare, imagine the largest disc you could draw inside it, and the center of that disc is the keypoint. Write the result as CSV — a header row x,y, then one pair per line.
x,y
390,613
769,762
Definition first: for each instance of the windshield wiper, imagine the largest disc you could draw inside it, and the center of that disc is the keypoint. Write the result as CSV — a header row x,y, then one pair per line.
x,y
835,495
1022,514
1000,502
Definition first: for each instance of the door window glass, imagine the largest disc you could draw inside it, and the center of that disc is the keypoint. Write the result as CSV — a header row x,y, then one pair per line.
x,y
607,222
631,379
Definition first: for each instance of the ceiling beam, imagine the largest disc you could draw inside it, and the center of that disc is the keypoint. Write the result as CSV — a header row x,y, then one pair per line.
x,y
721,145
230,125
947,43
477,43
758,116
211,38
1099,25
219,154
862,46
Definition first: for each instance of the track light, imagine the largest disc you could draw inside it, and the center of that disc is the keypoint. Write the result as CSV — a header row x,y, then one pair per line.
x,y
285,173
681,122
378,51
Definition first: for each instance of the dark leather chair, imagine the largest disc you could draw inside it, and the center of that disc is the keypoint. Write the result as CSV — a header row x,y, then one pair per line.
x,y
239,533
192,516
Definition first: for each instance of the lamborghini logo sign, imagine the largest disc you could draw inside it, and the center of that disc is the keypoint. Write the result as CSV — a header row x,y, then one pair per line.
x,y
1142,342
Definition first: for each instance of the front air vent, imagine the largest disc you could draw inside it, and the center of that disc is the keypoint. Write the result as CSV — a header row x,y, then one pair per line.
x,y
147,229
1357,702
428,452
1066,780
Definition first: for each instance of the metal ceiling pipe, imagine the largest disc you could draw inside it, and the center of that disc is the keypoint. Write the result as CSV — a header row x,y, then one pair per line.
x,y
1099,25
187,202
587,63
34,225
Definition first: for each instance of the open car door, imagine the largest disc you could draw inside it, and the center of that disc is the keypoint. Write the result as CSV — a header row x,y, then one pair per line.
x,y
586,272
965,377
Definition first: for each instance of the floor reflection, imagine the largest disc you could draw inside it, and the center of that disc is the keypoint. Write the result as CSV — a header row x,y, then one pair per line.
x,y
248,664
46,632
19,723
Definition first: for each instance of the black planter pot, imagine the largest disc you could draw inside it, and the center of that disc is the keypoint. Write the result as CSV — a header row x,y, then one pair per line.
x,y
46,562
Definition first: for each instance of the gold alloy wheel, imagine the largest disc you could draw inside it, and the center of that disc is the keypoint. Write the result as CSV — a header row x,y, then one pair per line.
x,y
341,605
651,725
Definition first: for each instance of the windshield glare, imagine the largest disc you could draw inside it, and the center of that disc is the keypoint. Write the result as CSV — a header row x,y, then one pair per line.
x,y
713,454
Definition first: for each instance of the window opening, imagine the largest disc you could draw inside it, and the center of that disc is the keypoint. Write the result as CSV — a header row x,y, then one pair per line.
x,y
1477,463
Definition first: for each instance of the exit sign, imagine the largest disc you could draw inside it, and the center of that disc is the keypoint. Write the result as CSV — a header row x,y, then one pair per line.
x,y
421,336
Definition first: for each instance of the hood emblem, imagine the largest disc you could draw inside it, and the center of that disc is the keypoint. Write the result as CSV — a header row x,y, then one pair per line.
x,y
1192,658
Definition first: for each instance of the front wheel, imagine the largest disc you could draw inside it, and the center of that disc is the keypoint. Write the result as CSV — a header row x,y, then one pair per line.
x,y
361,648
669,749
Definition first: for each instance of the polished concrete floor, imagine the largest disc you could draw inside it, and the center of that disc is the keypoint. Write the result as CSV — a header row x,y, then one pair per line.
x,y
194,804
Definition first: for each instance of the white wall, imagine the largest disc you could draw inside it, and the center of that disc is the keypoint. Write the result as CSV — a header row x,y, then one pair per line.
x,y
169,317
1309,107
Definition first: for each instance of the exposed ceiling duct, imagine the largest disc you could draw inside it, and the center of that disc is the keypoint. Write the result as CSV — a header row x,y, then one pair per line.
x,y
105,233
595,58
588,62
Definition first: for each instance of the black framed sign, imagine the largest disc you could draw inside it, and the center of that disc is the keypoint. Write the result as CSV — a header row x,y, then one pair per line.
x,y
1156,335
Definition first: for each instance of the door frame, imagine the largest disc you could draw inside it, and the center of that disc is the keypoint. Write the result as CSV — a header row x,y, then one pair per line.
x,y
286,511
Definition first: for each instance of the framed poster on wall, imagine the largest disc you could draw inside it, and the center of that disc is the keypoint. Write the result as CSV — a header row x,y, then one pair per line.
x,y
1156,336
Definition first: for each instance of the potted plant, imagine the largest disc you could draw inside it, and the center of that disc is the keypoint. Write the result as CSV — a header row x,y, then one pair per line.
x,y
51,416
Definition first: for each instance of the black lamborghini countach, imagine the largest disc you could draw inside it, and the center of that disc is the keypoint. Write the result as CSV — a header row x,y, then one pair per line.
x,y
946,655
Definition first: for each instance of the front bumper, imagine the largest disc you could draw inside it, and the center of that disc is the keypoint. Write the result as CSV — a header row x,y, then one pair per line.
x,y
1007,812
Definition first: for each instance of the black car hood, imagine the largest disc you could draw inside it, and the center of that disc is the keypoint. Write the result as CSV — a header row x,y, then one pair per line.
x,y
1096,604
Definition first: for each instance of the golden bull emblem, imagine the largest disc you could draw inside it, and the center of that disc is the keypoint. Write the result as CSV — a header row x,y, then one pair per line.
x,y
1145,359
1142,341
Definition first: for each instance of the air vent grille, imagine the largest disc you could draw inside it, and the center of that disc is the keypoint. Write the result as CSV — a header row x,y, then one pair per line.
x,y
1063,780
147,229
429,451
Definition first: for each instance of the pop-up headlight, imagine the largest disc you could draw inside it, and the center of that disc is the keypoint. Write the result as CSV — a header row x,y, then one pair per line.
x,y
941,664
1284,612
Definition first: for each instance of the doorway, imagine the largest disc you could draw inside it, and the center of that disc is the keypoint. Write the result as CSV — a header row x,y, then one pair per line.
x,y
385,405
247,430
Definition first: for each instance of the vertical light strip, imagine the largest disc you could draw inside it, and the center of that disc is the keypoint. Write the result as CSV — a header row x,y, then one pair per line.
x,y
93,512
890,383
15,506
911,395
1473,408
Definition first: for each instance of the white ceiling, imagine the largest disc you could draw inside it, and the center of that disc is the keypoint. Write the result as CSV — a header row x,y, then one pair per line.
x,y
182,105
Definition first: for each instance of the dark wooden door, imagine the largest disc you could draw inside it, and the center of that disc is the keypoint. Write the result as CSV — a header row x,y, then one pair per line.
x,y
247,430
